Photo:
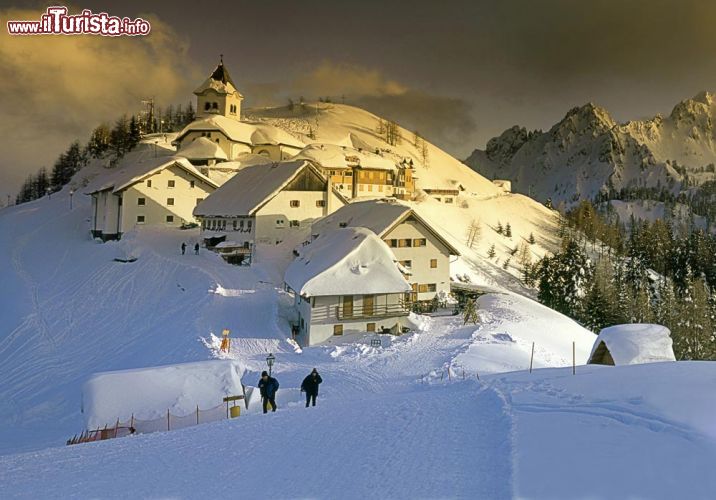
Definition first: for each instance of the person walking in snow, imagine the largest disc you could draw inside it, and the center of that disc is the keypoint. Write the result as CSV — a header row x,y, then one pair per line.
x,y
183,248
310,387
268,387
196,249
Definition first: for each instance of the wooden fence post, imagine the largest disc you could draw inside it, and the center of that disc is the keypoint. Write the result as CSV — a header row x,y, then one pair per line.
x,y
168,426
532,356
197,414
116,428
574,358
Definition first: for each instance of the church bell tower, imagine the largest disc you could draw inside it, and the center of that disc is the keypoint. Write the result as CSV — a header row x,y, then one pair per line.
x,y
218,95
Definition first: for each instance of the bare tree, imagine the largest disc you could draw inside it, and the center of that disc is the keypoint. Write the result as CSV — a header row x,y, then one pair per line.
x,y
474,231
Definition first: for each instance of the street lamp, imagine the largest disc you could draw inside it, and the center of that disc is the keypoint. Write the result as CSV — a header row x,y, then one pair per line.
x,y
269,361
72,192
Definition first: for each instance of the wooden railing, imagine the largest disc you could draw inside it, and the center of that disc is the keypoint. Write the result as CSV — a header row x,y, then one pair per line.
x,y
359,312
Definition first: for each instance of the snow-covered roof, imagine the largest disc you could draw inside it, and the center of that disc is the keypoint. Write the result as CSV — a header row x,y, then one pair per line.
x,y
148,392
346,261
219,81
129,172
253,134
336,156
202,148
250,188
635,344
378,215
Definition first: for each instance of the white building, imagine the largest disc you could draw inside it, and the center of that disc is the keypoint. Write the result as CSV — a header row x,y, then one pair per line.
x,y
264,204
219,121
156,191
423,253
346,281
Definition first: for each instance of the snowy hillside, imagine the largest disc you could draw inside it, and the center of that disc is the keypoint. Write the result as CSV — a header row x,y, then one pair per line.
x,y
480,203
630,432
588,153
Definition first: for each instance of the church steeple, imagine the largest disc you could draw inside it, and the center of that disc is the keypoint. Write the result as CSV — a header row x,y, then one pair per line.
x,y
218,94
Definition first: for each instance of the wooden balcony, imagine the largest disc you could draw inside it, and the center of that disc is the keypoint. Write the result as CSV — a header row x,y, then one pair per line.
x,y
357,312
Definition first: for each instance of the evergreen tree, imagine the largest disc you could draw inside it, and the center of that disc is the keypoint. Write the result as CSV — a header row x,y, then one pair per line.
x,y
99,141
491,252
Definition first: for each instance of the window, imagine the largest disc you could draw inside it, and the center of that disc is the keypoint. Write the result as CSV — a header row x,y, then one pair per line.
x,y
199,200
380,187
320,203
170,218
432,287
406,263
295,203
214,105
370,187
419,242
294,223
141,201
303,324
140,219
405,242
392,243
448,200
280,222
207,106
191,184
149,183
249,225
433,263
171,184
370,327
422,288
349,173
235,224
337,329
170,201
241,224
360,187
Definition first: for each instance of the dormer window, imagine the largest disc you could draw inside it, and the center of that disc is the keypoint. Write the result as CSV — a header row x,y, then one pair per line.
x,y
214,105
207,106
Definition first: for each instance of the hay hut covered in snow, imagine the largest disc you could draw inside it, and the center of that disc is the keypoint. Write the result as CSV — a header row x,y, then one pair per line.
x,y
632,344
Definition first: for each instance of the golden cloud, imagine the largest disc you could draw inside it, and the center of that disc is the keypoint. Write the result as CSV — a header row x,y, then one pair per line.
x,y
54,89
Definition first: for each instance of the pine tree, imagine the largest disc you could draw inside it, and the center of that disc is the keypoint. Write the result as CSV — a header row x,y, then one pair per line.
x,y
499,229
532,239
508,230
99,141
491,252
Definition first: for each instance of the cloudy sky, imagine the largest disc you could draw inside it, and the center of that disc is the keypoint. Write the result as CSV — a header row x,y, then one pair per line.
x,y
460,71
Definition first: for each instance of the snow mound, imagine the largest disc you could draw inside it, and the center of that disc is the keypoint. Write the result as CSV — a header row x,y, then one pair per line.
x,y
635,344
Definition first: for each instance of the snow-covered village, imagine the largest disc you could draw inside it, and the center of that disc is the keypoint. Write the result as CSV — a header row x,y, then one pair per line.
x,y
460,253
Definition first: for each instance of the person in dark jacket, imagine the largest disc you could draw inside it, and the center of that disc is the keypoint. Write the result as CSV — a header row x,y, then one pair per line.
x,y
310,387
268,387
183,248
196,249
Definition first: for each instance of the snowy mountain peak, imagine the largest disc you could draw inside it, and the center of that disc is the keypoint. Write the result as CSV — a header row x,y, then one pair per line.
x,y
588,153
589,117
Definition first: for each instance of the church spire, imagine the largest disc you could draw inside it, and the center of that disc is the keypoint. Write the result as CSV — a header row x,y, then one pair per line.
x,y
221,74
